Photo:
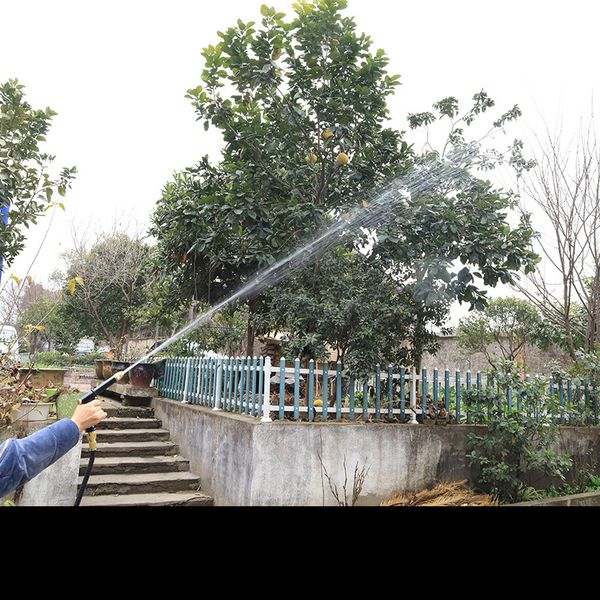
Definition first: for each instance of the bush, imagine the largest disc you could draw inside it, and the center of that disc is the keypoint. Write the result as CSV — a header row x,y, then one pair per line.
x,y
87,360
59,359
516,444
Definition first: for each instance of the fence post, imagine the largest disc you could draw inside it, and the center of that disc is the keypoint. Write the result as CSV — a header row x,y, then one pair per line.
x,y
424,392
282,389
196,370
338,390
248,373
413,396
310,397
266,416
325,390
184,400
217,405
296,389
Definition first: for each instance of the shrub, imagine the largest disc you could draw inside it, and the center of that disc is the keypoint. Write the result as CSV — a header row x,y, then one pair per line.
x,y
59,359
517,444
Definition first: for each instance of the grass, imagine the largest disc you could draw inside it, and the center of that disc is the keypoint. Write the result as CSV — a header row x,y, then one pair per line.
x,y
591,484
454,493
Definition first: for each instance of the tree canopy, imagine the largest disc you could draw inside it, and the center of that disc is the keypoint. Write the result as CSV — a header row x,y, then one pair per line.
x,y
26,184
509,323
302,105
112,271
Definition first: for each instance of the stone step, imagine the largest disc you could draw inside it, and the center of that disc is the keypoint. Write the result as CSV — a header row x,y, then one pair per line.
x,y
133,449
115,409
105,465
112,436
130,423
158,499
141,483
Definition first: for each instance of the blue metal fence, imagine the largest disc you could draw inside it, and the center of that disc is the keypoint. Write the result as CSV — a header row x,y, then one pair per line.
x,y
321,392
233,384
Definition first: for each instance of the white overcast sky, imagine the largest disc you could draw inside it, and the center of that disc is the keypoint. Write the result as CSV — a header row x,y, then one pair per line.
x,y
117,72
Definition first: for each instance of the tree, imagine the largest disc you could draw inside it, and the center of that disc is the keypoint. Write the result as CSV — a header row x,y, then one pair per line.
x,y
511,323
302,108
48,320
26,187
565,185
356,308
112,273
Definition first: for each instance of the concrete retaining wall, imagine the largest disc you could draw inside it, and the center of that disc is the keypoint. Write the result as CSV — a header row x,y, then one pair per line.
x,y
588,499
243,462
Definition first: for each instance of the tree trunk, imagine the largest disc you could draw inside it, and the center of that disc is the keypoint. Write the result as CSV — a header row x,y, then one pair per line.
x,y
593,309
250,331
417,342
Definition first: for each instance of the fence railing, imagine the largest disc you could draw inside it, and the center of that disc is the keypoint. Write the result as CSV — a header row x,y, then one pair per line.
x,y
235,384
254,387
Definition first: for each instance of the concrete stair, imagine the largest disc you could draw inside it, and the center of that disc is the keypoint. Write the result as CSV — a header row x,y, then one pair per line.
x,y
134,449
134,423
112,436
142,483
136,464
156,499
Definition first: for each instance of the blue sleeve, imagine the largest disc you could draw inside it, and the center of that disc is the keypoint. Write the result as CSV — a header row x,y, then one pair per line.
x,y
21,460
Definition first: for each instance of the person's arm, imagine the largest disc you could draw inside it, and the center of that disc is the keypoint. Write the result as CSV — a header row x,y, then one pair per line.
x,y
23,459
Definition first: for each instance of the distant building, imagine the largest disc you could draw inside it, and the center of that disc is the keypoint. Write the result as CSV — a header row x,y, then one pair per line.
x,y
450,357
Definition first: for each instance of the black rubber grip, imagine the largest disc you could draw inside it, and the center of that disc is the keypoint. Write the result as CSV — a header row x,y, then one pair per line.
x,y
98,390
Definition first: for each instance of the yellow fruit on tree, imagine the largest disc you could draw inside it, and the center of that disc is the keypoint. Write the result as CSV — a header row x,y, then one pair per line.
x,y
342,158
327,134
311,158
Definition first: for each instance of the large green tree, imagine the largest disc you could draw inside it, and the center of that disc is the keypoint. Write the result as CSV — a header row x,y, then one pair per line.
x,y
26,182
294,101
302,107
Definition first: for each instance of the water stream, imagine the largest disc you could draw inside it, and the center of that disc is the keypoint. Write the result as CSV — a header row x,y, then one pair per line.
x,y
383,203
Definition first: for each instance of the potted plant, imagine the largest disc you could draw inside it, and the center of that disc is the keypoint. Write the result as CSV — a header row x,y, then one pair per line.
x,y
141,375
42,376
20,400
30,409
119,365
99,366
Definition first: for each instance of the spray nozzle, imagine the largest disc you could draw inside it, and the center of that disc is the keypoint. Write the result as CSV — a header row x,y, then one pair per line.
x,y
119,375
